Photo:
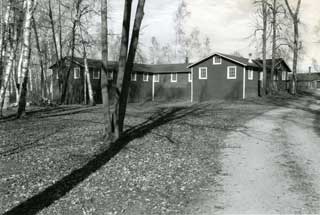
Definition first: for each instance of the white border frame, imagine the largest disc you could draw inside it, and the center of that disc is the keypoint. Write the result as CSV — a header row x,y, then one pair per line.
x,y
250,74
96,77
75,71
203,78
228,72
176,79
145,75
189,77
134,76
214,58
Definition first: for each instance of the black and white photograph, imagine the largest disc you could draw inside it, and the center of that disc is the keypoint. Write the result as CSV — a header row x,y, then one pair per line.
x,y
147,107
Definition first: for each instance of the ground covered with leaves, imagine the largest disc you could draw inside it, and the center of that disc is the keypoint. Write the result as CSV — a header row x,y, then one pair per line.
x,y
55,162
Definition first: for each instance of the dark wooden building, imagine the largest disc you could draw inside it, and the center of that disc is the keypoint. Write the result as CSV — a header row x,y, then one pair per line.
x,y
308,80
218,76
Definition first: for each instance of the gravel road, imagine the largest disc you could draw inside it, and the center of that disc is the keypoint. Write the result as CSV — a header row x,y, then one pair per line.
x,y
271,165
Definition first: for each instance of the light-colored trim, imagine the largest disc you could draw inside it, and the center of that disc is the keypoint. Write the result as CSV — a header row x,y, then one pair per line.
x,y
219,54
228,71
145,75
192,85
189,77
75,71
244,83
134,76
172,79
203,78
250,74
214,62
154,77
95,77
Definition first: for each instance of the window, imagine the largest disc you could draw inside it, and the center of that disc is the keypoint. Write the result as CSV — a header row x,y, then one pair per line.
x,y
232,72
133,76
145,77
156,78
284,76
174,77
76,73
250,74
217,60
189,77
96,74
203,73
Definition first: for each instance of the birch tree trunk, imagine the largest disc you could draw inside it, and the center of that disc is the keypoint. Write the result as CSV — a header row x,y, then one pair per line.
x,y
30,7
86,74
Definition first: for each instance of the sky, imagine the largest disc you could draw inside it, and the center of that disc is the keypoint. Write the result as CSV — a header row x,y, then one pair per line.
x,y
227,23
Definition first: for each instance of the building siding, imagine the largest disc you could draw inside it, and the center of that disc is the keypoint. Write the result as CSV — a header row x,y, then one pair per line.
x,y
217,86
165,90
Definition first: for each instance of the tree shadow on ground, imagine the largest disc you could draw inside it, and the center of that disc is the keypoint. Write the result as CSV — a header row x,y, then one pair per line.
x,y
56,191
47,112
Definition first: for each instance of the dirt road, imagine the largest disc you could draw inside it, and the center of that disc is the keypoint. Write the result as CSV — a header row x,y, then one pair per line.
x,y
271,165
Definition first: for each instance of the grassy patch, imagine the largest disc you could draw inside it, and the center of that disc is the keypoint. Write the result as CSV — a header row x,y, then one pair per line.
x,y
159,171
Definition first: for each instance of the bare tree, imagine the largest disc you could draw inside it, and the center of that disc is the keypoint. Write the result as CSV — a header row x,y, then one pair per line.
x,y
296,43
114,123
154,51
207,47
30,7
180,18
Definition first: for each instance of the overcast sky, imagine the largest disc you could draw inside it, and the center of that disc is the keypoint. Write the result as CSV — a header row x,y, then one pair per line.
x,y
228,23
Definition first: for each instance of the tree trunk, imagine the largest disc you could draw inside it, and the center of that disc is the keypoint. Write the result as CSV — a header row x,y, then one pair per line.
x,y
87,74
264,47
104,71
130,61
273,85
30,6
65,83
295,56
122,67
296,48
42,76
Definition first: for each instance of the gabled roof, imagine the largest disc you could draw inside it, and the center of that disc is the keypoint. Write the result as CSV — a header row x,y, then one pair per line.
x,y
315,76
239,60
147,68
279,62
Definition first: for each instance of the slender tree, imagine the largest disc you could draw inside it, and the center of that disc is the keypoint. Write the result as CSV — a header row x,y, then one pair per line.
x,y
26,50
296,43
104,71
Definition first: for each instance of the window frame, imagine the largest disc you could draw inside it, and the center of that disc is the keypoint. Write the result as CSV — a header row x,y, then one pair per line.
x,y
96,77
190,77
176,77
76,70
250,74
145,77
200,75
156,79
133,76
214,60
228,72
